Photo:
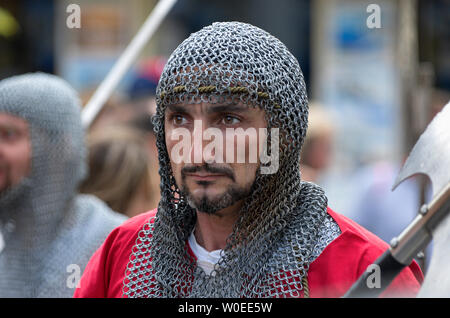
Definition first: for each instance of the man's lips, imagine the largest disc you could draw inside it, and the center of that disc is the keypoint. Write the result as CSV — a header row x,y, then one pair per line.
x,y
206,173
204,176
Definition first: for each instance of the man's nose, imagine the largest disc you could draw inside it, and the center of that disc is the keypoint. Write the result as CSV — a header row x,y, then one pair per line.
x,y
197,142
203,150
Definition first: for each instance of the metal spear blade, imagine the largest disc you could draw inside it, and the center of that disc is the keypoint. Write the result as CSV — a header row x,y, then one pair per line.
x,y
431,154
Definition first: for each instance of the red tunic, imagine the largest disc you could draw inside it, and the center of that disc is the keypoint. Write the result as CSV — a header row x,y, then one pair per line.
x,y
330,275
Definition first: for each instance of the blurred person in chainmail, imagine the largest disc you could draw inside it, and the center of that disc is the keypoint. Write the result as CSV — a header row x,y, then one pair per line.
x,y
234,228
48,232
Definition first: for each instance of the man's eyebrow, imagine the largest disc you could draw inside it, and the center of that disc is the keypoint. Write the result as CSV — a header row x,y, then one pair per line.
x,y
10,126
176,109
227,108
212,109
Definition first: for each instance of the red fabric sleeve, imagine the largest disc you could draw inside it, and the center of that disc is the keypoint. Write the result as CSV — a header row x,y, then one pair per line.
x,y
348,256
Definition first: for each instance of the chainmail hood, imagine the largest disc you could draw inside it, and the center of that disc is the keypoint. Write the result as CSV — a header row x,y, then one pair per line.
x,y
283,225
46,226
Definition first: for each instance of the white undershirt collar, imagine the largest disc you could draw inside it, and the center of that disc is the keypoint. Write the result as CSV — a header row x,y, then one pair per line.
x,y
205,260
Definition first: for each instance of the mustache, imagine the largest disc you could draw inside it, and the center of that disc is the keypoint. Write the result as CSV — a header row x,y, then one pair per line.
x,y
208,168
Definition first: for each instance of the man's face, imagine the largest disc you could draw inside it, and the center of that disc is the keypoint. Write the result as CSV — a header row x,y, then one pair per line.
x,y
206,144
15,150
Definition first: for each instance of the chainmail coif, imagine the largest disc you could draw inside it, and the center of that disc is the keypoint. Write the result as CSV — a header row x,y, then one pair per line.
x,y
283,225
46,226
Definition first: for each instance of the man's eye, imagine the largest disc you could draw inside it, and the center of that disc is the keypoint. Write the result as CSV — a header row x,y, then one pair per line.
x,y
8,133
230,120
178,120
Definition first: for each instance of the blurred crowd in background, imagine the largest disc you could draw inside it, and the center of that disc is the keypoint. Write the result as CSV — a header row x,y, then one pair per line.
x,y
372,91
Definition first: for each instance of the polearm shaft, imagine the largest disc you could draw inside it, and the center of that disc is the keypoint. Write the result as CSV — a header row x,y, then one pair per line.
x,y
130,54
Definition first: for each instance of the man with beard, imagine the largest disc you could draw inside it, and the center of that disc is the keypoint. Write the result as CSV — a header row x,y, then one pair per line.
x,y
228,225
47,231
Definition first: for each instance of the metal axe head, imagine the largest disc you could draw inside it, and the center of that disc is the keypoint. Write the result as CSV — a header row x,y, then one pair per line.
x,y
431,154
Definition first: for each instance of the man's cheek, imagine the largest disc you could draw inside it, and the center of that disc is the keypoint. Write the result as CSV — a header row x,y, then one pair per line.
x,y
245,173
176,171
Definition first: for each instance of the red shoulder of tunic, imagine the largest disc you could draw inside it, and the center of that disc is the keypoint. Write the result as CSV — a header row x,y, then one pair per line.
x,y
343,261
105,271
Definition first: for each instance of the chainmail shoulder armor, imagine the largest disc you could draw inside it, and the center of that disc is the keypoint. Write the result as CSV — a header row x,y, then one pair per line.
x,y
283,225
328,231
80,234
45,224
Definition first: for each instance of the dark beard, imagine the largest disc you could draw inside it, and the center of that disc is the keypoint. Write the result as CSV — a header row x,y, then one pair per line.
x,y
212,206
233,194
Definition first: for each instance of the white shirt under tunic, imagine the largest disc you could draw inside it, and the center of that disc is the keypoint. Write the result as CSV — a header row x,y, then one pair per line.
x,y
205,260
